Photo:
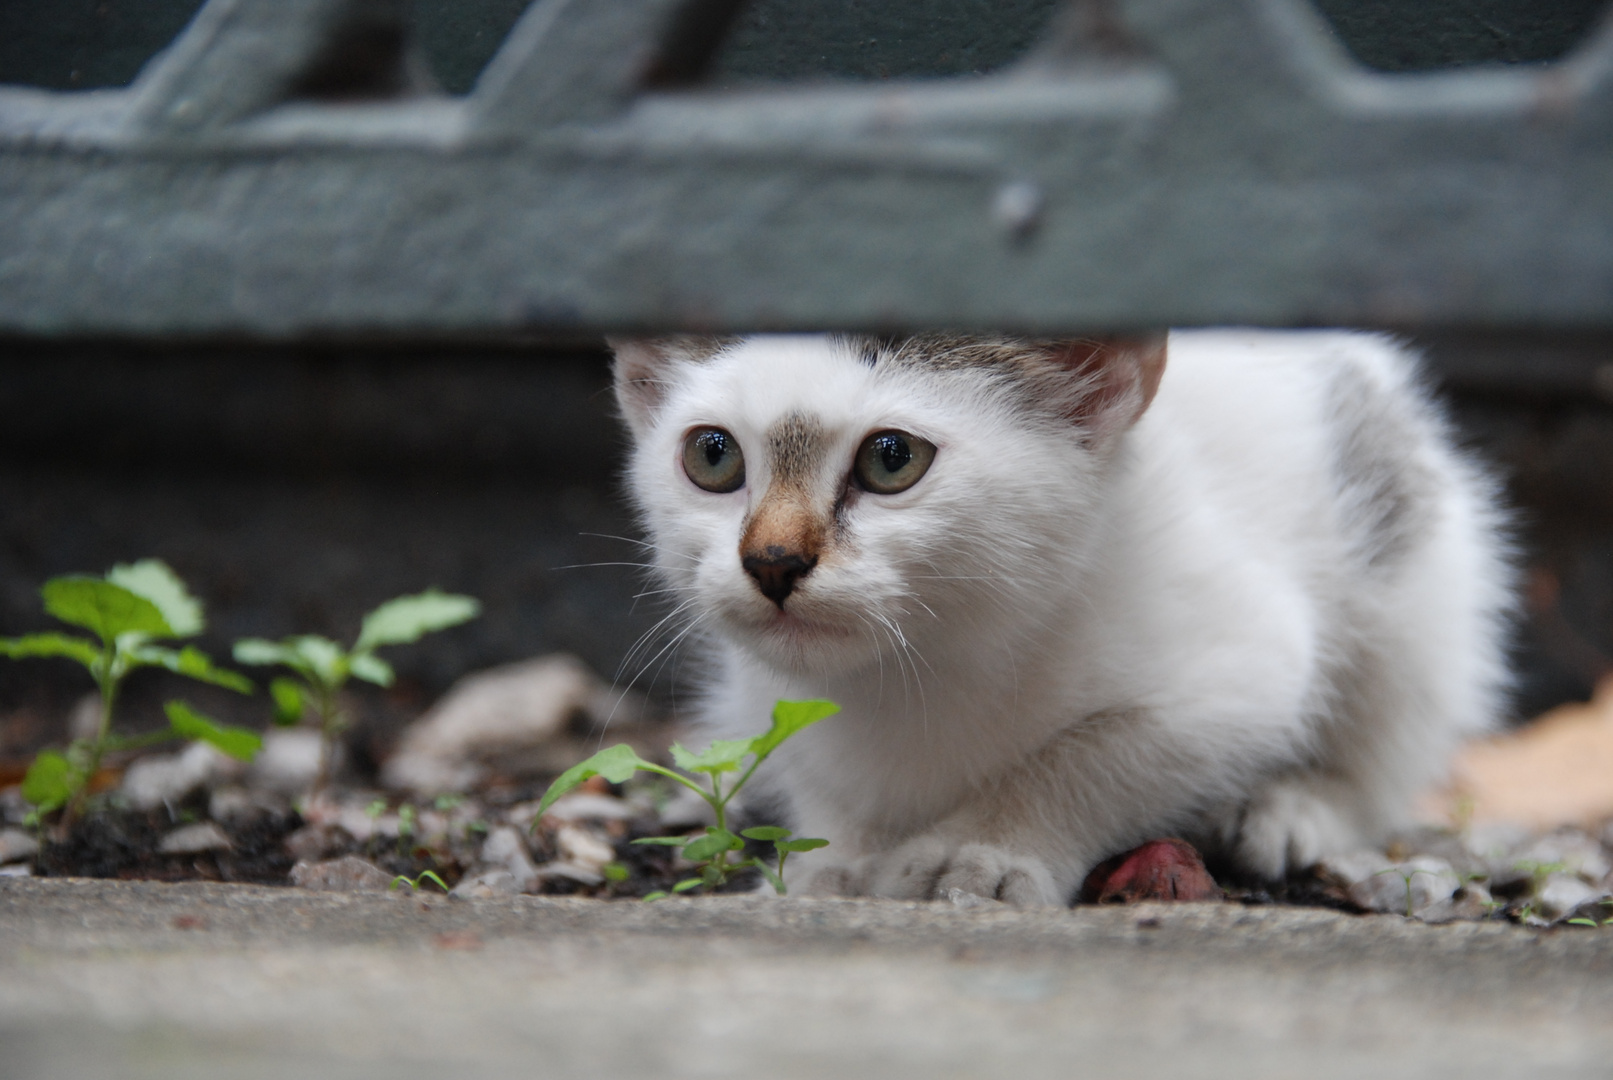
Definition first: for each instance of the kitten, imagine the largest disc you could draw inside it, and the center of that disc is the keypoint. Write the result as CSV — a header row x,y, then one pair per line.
x,y
1069,597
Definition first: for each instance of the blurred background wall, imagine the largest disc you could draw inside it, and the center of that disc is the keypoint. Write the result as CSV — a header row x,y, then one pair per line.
x,y
296,486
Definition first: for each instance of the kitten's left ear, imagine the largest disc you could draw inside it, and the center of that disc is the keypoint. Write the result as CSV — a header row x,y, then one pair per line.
x,y
1114,381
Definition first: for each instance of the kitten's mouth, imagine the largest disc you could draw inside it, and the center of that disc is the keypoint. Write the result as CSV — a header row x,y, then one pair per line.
x,y
793,627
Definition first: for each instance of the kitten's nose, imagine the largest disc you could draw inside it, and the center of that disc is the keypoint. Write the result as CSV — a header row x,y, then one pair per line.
x,y
777,571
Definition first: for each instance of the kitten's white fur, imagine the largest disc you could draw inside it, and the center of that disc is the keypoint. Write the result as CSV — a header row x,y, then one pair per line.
x,y
1261,616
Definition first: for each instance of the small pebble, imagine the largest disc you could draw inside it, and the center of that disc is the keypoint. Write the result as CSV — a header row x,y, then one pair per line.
x,y
587,806
1405,888
312,843
1469,903
486,886
234,803
289,761
569,871
194,839
1561,894
582,847
505,849
967,900
16,845
168,778
347,874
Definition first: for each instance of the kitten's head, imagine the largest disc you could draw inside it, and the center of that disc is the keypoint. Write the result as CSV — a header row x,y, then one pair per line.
x,y
825,501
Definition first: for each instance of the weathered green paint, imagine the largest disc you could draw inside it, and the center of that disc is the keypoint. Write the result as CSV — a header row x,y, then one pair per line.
x,y
1241,168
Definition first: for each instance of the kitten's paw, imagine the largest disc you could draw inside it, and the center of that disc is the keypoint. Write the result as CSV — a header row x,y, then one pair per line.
x,y
929,866
1293,825
826,877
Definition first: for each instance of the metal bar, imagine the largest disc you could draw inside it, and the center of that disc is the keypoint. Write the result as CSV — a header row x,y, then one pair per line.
x,y
1226,162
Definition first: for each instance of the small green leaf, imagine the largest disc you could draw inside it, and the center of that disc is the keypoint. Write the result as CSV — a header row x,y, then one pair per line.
x,y
261,653
319,659
766,832
104,609
406,619
370,668
152,579
192,663
83,650
288,701
686,884
614,763
663,841
431,875
713,843
805,843
1582,921
50,781
237,742
615,871
724,755
790,717
321,656
658,894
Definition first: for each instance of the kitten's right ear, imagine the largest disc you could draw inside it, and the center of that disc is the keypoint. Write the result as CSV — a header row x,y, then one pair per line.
x,y
640,370
644,367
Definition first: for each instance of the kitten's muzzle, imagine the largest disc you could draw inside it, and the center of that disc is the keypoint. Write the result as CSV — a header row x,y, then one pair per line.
x,y
777,571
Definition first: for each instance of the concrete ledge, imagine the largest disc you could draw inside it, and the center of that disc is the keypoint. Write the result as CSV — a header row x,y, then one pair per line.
x,y
139,979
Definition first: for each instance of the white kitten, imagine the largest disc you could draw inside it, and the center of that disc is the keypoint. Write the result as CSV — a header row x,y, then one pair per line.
x,y
1063,613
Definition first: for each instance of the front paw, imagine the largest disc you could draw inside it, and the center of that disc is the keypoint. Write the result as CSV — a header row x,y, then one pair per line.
x,y
930,867
1293,825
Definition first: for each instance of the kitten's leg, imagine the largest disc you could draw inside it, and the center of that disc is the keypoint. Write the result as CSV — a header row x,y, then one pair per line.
x,y
1030,836
1427,672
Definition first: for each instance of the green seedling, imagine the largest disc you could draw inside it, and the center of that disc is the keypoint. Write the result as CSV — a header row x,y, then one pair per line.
x,y
322,667
1585,920
1406,877
417,882
1539,871
713,851
406,827
129,610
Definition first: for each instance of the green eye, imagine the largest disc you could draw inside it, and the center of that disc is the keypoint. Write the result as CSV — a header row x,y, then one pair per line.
x,y
892,461
711,458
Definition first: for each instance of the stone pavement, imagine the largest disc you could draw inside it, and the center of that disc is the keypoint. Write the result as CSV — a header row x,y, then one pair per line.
x,y
137,980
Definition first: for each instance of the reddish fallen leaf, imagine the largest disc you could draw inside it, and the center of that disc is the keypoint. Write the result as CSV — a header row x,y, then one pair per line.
x,y
1556,771
1159,870
189,922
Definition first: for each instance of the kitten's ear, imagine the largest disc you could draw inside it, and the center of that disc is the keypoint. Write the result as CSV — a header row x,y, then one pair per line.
x,y
644,370
640,372
1114,381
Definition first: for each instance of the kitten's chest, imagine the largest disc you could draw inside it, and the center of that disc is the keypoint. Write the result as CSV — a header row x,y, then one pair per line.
x,y
895,763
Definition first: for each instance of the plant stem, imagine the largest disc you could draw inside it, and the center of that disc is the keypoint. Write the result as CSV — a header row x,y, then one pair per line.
x,y
328,721
106,681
